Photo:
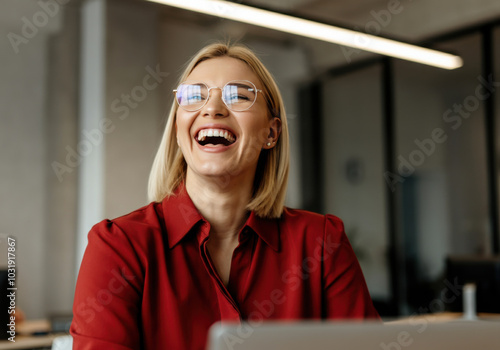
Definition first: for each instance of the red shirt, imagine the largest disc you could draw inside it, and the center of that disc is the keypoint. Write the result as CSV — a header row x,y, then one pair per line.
x,y
147,282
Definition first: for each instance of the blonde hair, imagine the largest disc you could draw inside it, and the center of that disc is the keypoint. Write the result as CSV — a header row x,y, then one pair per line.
x,y
169,167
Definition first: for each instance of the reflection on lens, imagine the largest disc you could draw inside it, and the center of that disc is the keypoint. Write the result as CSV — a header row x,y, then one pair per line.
x,y
237,95
192,96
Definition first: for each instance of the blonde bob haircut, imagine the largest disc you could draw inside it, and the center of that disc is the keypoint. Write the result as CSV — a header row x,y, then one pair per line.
x,y
169,166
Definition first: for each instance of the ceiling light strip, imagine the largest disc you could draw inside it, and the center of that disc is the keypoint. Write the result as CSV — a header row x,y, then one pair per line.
x,y
320,31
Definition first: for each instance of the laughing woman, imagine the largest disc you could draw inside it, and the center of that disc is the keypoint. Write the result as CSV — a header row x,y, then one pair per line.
x,y
216,243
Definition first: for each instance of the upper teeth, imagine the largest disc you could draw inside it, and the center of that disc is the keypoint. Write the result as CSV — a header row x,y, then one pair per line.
x,y
203,134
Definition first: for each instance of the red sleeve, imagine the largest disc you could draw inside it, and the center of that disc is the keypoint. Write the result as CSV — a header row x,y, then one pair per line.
x,y
346,294
106,309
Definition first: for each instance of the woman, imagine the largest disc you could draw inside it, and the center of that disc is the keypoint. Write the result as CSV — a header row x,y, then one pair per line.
x,y
216,243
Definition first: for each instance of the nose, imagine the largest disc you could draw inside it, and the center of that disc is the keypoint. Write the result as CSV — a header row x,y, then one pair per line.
x,y
215,107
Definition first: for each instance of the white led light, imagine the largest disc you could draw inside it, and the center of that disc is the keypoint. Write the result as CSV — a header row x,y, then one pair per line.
x,y
311,29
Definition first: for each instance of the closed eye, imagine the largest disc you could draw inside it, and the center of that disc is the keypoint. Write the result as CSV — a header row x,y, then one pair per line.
x,y
195,98
236,98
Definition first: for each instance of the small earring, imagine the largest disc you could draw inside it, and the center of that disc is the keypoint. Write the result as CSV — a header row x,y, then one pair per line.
x,y
268,144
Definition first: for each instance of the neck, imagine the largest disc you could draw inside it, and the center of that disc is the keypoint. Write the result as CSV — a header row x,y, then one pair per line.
x,y
222,202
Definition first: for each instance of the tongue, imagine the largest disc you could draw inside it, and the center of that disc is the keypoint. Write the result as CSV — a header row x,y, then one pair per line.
x,y
214,141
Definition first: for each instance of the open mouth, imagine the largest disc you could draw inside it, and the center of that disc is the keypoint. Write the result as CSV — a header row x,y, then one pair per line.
x,y
215,137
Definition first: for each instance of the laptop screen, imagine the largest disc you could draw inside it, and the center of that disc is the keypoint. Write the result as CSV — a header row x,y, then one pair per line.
x,y
418,335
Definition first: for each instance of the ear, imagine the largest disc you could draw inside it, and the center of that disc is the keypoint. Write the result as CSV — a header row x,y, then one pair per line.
x,y
274,133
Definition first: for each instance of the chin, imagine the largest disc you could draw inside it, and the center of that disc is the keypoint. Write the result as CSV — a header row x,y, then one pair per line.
x,y
215,170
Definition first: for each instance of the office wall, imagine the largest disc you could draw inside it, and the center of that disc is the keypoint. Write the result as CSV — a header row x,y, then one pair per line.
x,y
23,172
134,104
61,127
25,135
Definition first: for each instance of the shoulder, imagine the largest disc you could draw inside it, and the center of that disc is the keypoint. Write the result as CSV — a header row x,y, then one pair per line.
x,y
310,219
309,224
137,227
146,217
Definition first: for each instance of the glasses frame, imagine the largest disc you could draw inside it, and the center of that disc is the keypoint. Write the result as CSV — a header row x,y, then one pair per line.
x,y
222,94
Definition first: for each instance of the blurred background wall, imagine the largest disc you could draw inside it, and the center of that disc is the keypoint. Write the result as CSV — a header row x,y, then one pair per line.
x,y
84,91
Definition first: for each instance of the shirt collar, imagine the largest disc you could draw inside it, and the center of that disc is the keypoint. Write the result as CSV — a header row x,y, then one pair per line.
x,y
181,216
267,229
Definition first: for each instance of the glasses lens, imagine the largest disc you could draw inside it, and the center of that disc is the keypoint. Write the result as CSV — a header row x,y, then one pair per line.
x,y
192,97
239,95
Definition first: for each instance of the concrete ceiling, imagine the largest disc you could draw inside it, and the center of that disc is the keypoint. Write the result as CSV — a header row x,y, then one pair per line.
x,y
407,20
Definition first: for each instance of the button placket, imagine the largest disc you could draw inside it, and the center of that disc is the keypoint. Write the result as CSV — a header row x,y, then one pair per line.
x,y
228,306
240,265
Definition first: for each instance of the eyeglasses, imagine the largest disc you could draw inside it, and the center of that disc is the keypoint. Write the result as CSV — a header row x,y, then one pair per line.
x,y
237,95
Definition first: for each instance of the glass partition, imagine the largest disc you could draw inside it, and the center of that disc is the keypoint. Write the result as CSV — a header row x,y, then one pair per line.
x,y
441,158
496,73
353,168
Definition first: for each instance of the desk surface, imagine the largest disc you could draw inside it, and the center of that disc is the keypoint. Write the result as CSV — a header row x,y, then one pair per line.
x,y
28,342
443,317
24,339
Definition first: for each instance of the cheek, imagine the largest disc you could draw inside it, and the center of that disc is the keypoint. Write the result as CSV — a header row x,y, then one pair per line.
x,y
177,136
260,130
182,124
258,125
